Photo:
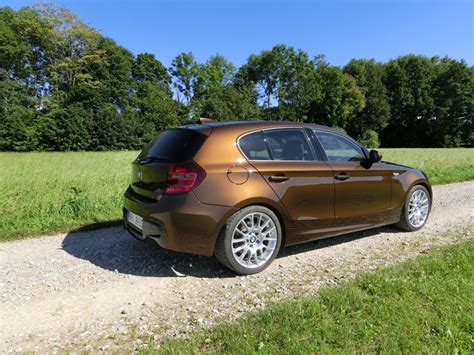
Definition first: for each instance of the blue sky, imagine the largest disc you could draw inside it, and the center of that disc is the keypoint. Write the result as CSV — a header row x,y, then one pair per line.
x,y
339,29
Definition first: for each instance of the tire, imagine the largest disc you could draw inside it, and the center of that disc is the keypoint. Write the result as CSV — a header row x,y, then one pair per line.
x,y
249,241
408,219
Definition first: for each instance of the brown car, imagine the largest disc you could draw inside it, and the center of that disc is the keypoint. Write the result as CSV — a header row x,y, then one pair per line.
x,y
241,190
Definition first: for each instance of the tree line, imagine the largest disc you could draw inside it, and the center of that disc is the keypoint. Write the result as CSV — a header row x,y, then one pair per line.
x,y
64,86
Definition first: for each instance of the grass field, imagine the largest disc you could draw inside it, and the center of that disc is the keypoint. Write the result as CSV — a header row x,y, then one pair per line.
x,y
42,193
441,165
421,306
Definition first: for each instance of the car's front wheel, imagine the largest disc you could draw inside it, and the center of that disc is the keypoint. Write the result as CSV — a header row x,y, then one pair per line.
x,y
250,240
416,209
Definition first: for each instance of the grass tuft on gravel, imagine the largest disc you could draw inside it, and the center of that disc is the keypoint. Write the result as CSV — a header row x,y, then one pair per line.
x,y
46,193
421,306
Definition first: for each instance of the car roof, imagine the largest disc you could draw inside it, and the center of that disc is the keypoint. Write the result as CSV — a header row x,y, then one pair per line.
x,y
251,125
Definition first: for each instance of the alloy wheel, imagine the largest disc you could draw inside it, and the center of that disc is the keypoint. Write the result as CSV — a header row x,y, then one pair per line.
x,y
418,208
254,240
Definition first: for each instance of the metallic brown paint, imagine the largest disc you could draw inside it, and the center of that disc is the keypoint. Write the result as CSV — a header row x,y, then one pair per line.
x,y
311,204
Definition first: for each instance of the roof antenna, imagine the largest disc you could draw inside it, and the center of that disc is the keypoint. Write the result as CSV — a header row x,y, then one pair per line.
x,y
204,120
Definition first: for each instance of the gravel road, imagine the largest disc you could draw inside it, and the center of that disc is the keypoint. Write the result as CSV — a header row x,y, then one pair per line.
x,y
103,290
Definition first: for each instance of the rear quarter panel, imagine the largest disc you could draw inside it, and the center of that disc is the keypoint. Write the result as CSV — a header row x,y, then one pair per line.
x,y
230,179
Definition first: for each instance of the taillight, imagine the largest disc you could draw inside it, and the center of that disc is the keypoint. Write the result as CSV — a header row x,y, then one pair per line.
x,y
183,178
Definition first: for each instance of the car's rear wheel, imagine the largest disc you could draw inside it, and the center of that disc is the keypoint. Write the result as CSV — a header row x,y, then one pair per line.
x,y
416,209
250,240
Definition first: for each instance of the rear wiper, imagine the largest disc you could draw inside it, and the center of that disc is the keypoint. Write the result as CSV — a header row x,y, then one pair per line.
x,y
151,159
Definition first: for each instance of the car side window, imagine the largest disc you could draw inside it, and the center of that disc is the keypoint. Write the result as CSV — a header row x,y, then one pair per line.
x,y
339,148
253,146
288,144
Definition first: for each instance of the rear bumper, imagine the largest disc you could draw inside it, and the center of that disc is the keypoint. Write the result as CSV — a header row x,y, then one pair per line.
x,y
180,222
151,228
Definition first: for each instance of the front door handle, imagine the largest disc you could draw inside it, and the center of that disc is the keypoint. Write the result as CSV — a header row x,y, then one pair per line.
x,y
342,176
278,178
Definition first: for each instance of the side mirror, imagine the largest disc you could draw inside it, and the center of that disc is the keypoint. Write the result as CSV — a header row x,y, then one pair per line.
x,y
375,156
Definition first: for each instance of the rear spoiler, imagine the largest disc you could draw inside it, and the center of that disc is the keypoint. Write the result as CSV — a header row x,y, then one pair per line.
x,y
201,125
204,120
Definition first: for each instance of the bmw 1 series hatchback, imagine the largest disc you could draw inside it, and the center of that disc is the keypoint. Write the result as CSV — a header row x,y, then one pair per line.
x,y
241,191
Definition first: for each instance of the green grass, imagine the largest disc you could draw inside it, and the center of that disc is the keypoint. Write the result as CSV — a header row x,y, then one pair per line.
x,y
441,165
43,193
422,306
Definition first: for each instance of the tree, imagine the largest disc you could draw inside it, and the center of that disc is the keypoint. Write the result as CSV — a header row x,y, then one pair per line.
x,y
264,70
66,129
368,75
146,68
337,99
184,71
216,72
25,48
408,80
212,77
453,104
211,89
231,102
297,86
75,53
152,97
155,107
27,44
17,128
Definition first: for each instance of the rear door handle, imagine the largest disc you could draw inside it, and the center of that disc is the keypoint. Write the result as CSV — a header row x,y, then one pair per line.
x,y
278,178
342,176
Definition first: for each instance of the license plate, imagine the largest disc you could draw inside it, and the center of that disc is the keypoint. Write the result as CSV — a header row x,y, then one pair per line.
x,y
135,220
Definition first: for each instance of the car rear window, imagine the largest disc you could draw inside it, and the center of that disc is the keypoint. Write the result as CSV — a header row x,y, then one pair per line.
x,y
174,145
284,144
254,147
288,144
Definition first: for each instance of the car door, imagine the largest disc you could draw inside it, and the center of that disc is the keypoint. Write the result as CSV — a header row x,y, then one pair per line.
x,y
296,173
362,194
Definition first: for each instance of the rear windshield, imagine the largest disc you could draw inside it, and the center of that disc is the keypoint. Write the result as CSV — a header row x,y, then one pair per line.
x,y
174,145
